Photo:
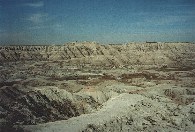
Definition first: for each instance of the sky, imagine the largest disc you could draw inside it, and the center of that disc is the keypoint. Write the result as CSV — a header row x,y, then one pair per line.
x,y
103,21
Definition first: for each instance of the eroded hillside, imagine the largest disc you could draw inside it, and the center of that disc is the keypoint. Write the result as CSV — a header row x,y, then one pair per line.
x,y
93,87
93,54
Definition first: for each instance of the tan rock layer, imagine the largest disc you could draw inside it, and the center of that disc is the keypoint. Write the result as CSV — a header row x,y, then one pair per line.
x,y
159,54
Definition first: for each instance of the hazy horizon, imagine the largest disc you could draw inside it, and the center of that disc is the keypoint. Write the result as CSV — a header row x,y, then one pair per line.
x,y
111,21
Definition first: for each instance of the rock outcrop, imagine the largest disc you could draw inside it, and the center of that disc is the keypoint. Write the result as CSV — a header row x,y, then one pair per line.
x,y
83,54
93,87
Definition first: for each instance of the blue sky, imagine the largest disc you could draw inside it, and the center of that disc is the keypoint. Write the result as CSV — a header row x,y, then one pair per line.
x,y
104,21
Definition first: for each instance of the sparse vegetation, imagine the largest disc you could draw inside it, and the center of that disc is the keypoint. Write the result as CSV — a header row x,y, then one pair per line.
x,y
140,84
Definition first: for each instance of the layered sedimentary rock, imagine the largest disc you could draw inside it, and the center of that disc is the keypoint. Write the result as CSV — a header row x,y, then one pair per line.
x,y
93,87
163,54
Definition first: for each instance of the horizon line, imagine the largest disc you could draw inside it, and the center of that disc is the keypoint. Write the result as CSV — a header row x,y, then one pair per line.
x,y
82,42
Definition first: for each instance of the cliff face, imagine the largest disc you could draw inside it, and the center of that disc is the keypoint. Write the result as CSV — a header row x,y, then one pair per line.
x,y
160,54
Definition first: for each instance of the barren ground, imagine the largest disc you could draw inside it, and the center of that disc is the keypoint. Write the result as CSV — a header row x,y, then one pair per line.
x,y
92,87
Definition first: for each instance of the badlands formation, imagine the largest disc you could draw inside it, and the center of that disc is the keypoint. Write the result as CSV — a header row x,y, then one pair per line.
x,y
89,87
